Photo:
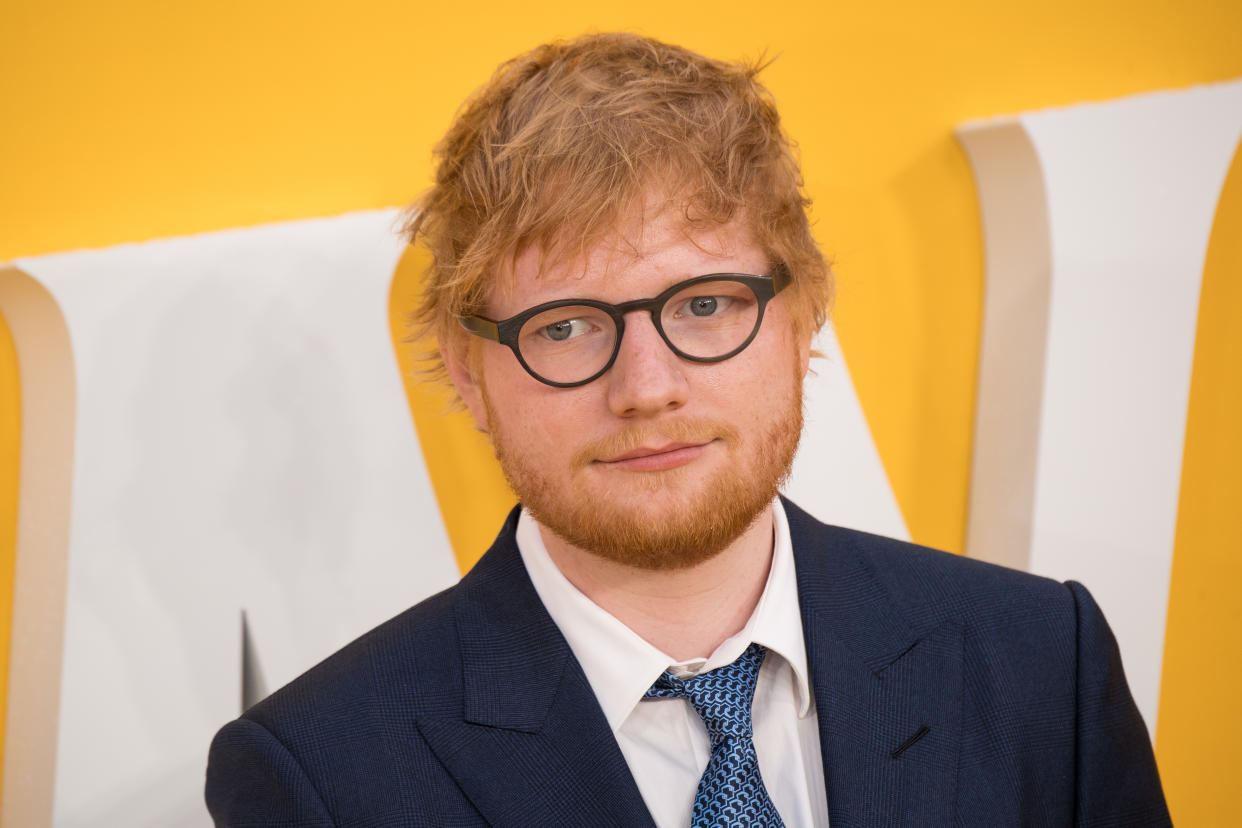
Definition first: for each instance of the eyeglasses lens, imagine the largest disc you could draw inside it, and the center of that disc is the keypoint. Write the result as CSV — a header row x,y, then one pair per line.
x,y
568,344
710,319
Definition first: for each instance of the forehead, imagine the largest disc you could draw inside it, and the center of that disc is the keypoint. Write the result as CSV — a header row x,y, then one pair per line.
x,y
638,260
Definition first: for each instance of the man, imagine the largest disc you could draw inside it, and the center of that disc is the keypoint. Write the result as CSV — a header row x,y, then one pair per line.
x,y
624,291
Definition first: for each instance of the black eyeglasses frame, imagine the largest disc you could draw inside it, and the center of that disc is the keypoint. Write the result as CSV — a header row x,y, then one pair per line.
x,y
506,331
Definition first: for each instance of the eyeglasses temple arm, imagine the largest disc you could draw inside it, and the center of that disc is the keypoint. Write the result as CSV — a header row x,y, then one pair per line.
x,y
479,326
780,278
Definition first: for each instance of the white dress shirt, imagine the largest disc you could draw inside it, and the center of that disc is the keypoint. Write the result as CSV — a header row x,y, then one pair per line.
x,y
664,741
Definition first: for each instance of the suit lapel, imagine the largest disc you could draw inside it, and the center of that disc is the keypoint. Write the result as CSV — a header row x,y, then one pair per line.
x,y
532,746
888,697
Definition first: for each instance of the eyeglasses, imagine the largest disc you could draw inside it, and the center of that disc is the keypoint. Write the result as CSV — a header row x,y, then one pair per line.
x,y
571,342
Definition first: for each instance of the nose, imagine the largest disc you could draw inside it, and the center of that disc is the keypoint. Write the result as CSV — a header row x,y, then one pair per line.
x,y
647,378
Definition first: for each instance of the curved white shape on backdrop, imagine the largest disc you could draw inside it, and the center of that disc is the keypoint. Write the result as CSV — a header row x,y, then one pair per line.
x,y
1097,219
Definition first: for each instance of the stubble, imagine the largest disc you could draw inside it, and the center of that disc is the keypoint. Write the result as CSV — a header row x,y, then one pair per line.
x,y
663,520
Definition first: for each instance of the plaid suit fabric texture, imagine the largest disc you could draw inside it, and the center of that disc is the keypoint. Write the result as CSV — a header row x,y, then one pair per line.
x,y
731,791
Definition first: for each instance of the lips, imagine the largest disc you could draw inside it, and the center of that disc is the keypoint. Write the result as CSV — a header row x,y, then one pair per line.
x,y
645,451
650,446
656,458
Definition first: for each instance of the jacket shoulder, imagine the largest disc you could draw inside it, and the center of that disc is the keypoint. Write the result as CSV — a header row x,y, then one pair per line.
x,y
305,753
1047,714
415,650
931,587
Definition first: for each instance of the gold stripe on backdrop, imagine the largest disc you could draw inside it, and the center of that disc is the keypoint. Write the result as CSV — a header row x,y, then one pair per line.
x,y
469,487
1200,720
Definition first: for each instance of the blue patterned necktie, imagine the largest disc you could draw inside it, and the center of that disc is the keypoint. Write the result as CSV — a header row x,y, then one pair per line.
x,y
731,792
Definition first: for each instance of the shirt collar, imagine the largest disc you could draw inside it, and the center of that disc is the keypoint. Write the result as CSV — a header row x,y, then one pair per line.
x,y
621,666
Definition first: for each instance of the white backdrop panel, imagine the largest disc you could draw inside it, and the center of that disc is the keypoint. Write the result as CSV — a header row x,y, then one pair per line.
x,y
243,441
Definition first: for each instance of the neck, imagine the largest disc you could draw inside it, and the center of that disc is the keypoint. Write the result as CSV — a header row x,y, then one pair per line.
x,y
686,613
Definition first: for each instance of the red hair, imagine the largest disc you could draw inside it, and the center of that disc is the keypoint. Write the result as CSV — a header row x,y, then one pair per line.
x,y
565,140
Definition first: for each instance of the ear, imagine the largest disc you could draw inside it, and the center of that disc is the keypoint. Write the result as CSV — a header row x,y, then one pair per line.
x,y
464,372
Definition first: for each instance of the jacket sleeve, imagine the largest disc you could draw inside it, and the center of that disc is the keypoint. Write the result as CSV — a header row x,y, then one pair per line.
x,y
253,780
1116,778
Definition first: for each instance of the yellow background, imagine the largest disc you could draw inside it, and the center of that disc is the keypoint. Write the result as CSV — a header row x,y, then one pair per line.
x,y
131,120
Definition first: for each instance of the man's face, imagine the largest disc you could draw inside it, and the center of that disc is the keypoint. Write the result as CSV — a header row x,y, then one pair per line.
x,y
661,462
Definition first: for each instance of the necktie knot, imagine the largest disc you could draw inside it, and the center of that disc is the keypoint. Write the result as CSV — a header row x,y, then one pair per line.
x,y
722,697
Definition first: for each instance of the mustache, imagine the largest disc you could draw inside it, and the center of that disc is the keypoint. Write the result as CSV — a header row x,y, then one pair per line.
x,y
689,430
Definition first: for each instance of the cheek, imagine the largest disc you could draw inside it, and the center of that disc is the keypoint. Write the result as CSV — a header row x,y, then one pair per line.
x,y
762,369
764,388
534,416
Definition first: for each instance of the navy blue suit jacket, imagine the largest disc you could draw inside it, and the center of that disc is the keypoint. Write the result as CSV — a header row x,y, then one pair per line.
x,y
949,692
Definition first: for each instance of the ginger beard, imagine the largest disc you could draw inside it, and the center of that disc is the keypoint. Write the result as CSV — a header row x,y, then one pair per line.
x,y
661,520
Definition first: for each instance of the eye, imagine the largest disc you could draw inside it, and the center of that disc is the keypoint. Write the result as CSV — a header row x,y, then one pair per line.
x,y
707,305
564,329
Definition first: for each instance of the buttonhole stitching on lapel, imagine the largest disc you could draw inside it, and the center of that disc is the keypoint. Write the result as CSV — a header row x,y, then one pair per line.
x,y
889,661
904,746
